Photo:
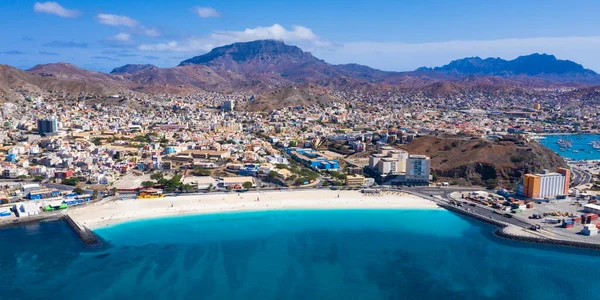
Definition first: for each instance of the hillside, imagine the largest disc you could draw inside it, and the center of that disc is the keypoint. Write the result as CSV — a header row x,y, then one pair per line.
x,y
477,161
285,97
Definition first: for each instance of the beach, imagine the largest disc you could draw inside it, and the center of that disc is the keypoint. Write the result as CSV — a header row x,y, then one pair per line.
x,y
119,211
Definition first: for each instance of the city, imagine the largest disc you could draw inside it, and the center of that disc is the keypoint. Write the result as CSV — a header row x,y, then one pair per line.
x,y
384,150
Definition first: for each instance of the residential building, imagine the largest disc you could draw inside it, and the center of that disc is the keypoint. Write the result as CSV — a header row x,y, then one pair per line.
x,y
418,169
47,126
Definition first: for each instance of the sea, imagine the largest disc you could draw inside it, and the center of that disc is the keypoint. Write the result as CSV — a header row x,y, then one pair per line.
x,y
581,150
292,254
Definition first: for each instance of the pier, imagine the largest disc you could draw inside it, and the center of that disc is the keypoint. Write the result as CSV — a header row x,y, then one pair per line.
x,y
86,235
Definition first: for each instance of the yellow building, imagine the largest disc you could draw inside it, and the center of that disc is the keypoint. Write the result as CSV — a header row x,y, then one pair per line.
x,y
355,180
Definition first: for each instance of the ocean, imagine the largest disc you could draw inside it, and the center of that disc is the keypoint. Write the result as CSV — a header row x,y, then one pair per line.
x,y
584,150
292,254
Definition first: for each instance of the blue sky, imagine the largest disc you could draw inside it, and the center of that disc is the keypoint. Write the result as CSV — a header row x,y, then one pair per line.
x,y
396,35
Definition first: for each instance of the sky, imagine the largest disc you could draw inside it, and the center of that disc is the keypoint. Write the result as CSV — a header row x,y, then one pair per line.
x,y
399,35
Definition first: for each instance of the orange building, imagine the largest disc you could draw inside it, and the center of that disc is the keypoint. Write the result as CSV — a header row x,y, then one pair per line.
x,y
531,186
567,174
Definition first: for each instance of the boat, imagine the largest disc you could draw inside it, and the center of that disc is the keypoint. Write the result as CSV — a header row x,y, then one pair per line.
x,y
563,143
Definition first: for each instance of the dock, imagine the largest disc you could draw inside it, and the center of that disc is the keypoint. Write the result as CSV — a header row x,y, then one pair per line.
x,y
86,235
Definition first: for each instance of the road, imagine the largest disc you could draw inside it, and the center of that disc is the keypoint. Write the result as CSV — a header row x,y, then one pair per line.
x,y
580,177
442,194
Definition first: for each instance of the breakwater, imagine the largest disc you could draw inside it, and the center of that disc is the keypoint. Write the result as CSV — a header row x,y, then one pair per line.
x,y
504,232
86,235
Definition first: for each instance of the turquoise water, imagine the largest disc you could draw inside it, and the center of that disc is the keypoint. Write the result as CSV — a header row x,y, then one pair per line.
x,y
345,254
580,141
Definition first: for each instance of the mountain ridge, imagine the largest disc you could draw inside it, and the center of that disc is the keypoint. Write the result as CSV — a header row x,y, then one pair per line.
x,y
535,64
266,65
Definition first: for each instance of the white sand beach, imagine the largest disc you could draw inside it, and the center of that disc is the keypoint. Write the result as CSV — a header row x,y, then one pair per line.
x,y
109,213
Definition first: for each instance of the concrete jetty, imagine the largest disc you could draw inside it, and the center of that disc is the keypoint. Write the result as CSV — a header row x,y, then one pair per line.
x,y
86,235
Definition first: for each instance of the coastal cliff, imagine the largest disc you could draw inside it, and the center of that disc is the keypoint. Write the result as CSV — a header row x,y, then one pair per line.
x,y
500,162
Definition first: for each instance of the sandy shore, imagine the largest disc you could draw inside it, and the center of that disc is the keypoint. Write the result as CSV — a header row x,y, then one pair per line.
x,y
114,212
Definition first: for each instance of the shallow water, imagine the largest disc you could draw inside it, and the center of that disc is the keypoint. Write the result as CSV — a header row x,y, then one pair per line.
x,y
301,254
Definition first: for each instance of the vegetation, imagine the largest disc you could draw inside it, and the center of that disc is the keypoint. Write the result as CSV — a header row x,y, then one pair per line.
x,y
338,175
78,191
70,181
247,185
148,183
200,172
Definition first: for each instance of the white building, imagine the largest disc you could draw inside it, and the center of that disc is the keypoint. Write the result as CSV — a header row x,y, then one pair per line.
x,y
592,208
551,185
389,161
418,168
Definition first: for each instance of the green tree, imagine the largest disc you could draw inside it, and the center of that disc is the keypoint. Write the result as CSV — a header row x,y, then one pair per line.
x,y
78,191
491,184
247,185
148,183
273,175
95,195
70,181
210,187
157,176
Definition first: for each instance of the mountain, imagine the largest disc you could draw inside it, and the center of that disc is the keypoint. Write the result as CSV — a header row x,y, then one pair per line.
x,y
254,57
269,66
130,69
61,80
534,65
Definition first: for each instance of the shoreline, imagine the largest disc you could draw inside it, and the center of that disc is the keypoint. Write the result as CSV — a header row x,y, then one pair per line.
x,y
123,211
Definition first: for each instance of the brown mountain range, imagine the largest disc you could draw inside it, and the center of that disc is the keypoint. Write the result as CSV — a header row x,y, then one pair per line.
x,y
262,66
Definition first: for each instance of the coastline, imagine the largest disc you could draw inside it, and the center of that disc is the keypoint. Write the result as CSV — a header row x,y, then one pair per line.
x,y
122,211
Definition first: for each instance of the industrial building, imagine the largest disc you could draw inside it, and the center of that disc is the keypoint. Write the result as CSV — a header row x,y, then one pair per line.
x,y
546,184
592,208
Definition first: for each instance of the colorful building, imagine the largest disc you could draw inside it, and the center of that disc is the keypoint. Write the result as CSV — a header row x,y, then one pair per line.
x,y
546,184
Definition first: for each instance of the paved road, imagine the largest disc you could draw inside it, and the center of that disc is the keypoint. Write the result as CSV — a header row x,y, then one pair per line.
x,y
443,194
580,177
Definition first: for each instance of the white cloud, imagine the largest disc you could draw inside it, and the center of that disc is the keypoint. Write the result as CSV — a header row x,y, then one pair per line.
x,y
116,20
151,32
121,37
207,12
298,34
54,8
